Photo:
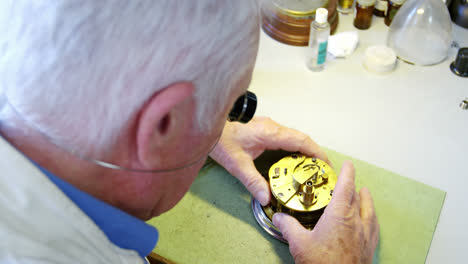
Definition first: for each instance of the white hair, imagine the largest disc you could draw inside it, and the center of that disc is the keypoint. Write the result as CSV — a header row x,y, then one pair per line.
x,y
79,70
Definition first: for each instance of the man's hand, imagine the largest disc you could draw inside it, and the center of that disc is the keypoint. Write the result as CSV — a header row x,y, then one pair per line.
x,y
240,144
347,232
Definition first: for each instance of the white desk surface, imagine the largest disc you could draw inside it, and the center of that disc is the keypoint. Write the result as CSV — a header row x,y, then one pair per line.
x,y
408,121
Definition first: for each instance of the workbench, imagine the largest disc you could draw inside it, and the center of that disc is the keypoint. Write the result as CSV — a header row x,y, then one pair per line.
x,y
408,122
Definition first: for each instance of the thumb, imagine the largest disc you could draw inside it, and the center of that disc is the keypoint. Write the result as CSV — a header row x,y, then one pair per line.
x,y
344,189
291,229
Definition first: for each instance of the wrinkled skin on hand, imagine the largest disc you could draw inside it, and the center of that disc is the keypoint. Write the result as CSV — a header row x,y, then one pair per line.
x,y
240,144
347,232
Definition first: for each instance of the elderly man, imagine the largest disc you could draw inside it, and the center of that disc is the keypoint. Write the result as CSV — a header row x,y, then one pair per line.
x,y
109,109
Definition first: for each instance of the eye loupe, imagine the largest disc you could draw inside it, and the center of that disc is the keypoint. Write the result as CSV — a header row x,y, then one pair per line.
x,y
244,108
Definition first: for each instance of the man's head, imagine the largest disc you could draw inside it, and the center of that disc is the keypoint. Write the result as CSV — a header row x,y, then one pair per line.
x,y
143,84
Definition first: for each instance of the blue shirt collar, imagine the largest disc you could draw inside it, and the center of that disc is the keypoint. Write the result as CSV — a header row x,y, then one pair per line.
x,y
122,229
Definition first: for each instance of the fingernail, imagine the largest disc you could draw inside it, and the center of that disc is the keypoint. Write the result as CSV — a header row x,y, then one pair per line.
x,y
262,197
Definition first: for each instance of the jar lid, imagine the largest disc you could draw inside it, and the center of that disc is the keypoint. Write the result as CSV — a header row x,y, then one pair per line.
x,y
379,59
298,8
366,2
381,5
290,29
398,2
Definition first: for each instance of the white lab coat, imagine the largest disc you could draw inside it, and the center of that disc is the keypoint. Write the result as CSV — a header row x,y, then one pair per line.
x,y
40,224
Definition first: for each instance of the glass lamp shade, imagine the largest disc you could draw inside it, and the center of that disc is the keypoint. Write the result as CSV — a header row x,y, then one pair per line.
x,y
421,32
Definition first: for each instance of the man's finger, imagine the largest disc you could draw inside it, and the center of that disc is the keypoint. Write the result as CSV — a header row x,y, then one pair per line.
x,y
291,229
246,172
356,202
344,188
369,218
293,140
367,204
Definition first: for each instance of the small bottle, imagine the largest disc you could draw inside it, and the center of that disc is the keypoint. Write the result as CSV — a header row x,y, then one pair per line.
x,y
345,6
380,8
364,12
393,6
318,41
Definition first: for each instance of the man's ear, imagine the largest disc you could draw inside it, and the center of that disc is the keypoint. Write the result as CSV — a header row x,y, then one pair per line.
x,y
162,120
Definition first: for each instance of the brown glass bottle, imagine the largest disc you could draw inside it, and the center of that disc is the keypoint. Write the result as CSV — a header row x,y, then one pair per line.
x,y
364,12
380,8
393,6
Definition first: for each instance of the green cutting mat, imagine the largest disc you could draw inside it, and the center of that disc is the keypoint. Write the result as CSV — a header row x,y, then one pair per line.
x,y
214,222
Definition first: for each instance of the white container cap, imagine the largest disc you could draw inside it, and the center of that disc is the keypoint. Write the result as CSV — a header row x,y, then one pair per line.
x,y
381,5
321,15
379,59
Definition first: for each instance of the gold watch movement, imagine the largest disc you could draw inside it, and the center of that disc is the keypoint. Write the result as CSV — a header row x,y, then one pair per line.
x,y
301,186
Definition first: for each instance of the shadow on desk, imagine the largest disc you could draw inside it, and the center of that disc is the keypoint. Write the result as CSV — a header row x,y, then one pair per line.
x,y
221,190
